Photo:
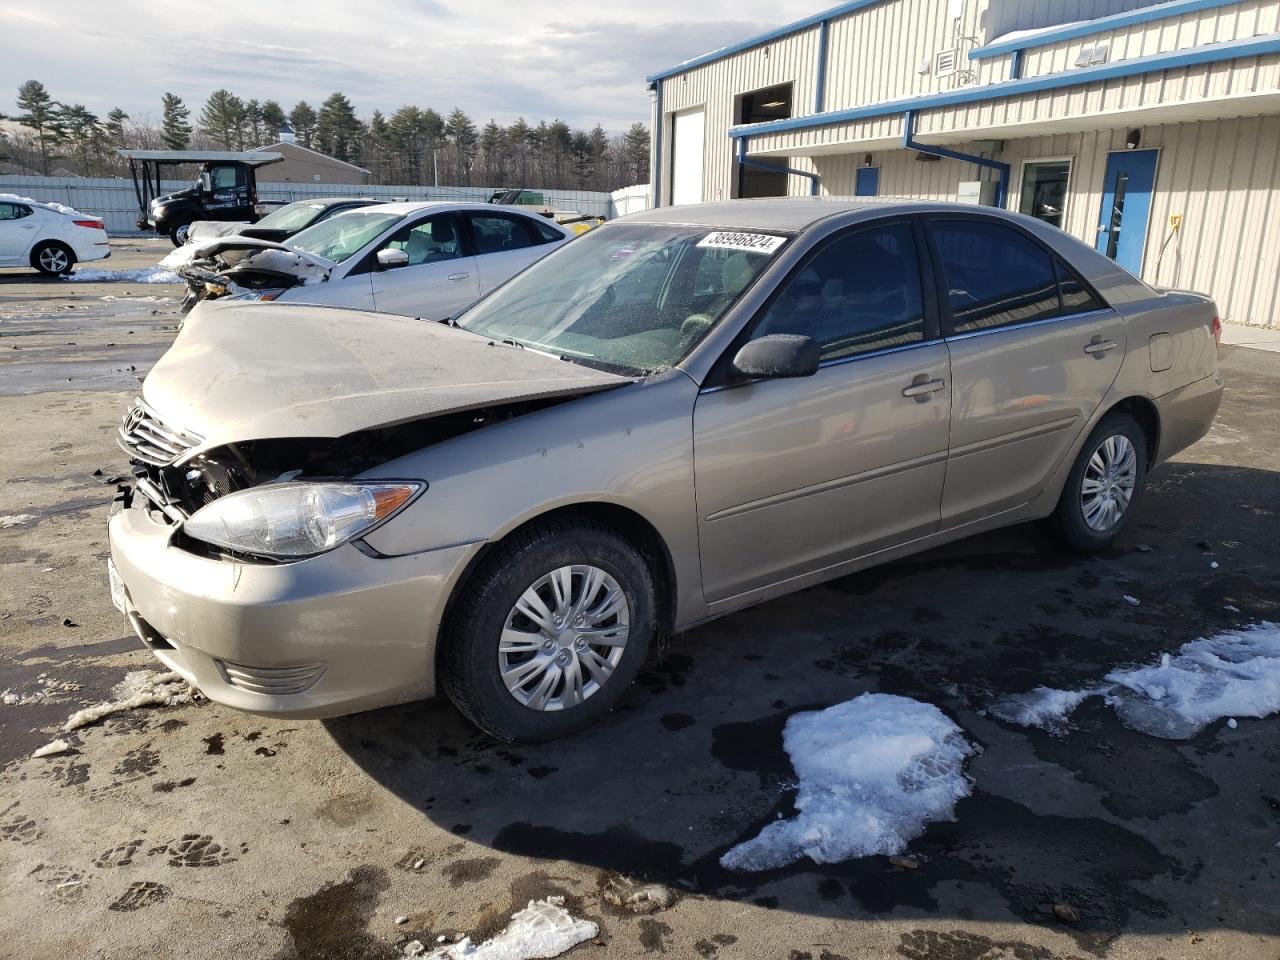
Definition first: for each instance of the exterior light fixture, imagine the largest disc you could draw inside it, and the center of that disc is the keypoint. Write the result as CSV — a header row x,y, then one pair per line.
x,y
1134,138
866,161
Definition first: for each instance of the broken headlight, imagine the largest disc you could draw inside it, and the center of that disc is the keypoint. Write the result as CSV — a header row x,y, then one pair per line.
x,y
291,520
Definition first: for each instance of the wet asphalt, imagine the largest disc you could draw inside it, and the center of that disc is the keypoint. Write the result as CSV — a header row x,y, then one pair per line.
x,y
195,831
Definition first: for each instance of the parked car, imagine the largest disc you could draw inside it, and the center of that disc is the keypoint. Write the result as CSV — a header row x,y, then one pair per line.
x,y
425,259
678,415
48,237
280,224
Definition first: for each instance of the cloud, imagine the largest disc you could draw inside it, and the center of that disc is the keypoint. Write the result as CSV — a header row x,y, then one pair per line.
x,y
582,63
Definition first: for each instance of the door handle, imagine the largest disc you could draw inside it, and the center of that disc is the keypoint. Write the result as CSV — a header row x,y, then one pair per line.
x,y
922,388
459,276
1098,348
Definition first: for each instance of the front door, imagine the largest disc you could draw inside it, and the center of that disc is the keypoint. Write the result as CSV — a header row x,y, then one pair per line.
x,y
1126,206
795,476
867,182
1033,353
17,230
440,278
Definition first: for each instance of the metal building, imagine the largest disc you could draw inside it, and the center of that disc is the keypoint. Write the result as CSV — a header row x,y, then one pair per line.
x,y
1151,130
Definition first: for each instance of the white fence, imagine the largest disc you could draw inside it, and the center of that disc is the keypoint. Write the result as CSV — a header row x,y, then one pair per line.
x,y
114,200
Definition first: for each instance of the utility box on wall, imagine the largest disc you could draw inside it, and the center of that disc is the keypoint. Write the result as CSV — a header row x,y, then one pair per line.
x,y
977,192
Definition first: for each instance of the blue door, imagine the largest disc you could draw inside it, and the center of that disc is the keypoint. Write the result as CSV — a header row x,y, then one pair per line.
x,y
867,182
1126,206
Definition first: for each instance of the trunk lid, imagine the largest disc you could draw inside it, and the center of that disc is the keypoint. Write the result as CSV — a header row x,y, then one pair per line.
x,y
242,372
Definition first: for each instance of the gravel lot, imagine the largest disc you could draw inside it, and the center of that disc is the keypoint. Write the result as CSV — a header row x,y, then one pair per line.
x,y
194,831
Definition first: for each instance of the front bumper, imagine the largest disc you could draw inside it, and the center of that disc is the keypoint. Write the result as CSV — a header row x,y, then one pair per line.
x,y
334,634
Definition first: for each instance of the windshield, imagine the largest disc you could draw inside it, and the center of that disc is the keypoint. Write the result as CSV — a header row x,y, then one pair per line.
x,y
342,236
292,216
632,297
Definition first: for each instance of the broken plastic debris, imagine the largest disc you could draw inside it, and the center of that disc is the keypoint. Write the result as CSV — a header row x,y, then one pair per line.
x,y
541,930
873,772
1132,601
637,897
52,749
141,688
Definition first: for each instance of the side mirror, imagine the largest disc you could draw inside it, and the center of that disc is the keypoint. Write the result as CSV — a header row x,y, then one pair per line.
x,y
390,259
778,355
206,182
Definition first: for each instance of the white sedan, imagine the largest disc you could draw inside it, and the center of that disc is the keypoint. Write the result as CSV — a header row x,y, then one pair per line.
x,y
50,237
421,259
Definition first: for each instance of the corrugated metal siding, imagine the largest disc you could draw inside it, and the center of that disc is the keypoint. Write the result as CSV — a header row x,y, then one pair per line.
x,y
716,86
1247,19
1001,16
114,200
1221,176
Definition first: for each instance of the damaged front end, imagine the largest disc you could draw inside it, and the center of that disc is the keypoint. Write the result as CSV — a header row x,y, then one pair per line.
x,y
244,268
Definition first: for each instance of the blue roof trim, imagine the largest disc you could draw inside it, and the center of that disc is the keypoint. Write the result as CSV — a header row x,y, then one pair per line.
x,y
1161,11
1209,53
762,38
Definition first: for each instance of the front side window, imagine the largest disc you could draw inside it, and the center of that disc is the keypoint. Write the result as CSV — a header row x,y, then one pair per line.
x,y
497,234
1044,190
859,293
223,178
995,276
634,298
429,241
342,237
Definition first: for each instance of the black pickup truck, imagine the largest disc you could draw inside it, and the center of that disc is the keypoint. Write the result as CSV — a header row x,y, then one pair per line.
x,y
226,188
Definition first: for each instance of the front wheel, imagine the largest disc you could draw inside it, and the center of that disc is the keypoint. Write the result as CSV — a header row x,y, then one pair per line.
x,y
1103,486
179,232
53,259
549,632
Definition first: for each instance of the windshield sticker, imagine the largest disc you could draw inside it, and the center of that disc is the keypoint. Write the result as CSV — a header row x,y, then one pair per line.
x,y
747,242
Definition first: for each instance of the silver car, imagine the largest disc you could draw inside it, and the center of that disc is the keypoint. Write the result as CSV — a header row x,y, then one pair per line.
x,y
678,415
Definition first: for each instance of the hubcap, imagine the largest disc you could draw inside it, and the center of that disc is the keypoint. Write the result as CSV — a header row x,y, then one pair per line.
x,y
564,637
1109,480
181,233
53,259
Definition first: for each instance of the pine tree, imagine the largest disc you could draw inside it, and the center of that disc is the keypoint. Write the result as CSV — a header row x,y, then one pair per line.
x,y
40,114
338,130
462,134
272,120
84,133
520,141
174,128
222,118
115,126
635,153
493,154
253,123
303,120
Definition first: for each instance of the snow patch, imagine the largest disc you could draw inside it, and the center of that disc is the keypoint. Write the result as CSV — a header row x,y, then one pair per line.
x,y
1233,674
140,688
873,772
52,749
143,275
541,930
16,520
48,205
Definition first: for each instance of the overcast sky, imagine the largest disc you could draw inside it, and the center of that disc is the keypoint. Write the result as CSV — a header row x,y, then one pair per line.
x,y
582,62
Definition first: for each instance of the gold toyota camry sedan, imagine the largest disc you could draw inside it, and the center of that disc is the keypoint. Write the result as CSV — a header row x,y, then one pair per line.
x,y
677,415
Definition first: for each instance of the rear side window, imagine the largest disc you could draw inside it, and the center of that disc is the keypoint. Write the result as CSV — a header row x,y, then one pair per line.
x,y
1076,297
995,276
495,234
14,211
546,233
858,294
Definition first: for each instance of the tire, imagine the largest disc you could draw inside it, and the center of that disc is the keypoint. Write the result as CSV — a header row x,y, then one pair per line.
x,y
178,233
1086,517
53,259
471,663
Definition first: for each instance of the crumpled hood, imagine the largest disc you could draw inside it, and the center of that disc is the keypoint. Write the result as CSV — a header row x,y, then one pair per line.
x,y
203,230
237,252
242,371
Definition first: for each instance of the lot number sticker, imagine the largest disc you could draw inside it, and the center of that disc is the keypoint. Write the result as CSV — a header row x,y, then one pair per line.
x,y
747,242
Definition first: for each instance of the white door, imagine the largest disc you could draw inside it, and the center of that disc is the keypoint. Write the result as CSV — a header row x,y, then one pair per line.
x,y
17,230
687,135
439,279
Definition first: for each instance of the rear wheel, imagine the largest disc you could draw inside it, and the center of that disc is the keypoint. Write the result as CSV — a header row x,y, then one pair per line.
x,y
1103,486
549,631
53,259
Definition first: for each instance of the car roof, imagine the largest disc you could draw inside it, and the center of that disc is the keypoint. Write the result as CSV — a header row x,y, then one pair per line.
x,y
793,213
337,201
417,206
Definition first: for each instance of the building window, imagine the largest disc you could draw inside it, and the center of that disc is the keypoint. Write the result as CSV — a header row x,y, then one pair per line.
x,y
761,106
1044,190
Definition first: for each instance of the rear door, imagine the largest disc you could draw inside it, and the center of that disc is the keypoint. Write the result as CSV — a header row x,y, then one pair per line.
x,y
504,244
440,278
1033,352
794,476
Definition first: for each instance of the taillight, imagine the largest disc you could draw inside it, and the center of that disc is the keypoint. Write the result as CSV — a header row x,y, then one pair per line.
x,y
1216,328
92,224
